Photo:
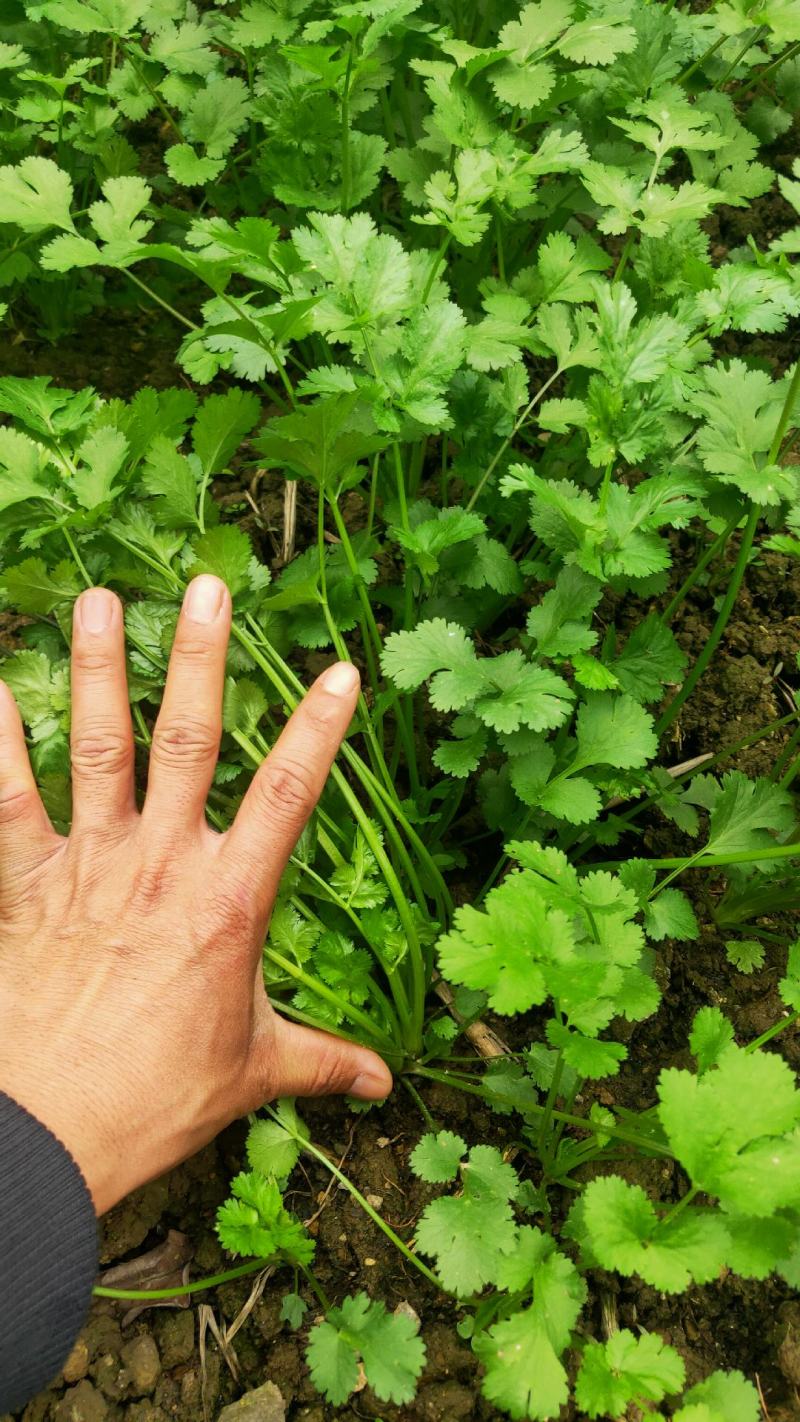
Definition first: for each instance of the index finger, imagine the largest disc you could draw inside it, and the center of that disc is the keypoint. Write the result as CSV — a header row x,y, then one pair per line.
x,y
288,785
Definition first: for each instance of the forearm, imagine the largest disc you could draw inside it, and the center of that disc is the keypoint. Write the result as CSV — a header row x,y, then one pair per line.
x,y
48,1254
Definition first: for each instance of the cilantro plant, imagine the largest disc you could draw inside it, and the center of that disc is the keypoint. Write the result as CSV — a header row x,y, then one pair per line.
x,y
463,282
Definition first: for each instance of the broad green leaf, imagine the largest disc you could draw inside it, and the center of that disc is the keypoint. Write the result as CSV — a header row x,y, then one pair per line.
x,y
728,1396
168,476
117,17
226,552
220,425
35,195
387,1344
670,915
614,730
733,1129
36,590
789,985
625,1370
436,1158
711,1034
100,460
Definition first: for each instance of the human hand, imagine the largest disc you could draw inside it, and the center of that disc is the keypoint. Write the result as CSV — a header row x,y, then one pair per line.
x,y
133,1017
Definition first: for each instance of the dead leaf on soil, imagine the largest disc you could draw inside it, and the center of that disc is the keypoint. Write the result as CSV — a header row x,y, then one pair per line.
x,y
166,1266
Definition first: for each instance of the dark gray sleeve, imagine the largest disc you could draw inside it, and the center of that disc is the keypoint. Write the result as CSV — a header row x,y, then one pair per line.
x,y
48,1254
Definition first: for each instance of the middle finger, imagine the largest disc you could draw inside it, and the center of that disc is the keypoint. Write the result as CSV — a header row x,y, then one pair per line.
x,y
189,726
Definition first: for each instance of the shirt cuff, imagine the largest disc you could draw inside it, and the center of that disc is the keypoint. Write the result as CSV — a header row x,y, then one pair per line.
x,y
48,1254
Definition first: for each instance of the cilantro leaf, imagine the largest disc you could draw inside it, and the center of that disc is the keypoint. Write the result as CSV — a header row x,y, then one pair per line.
x,y
522,1354
220,425
614,730
387,1345
436,1158
625,1370
733,1129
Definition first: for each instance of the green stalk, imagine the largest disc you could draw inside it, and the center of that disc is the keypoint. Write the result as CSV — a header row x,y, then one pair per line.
x,y
605,487
773,1031
101,1292
784,757
406,702
433,271
419,984
623,257
580,1122
373,494
665,882
552,1097
159,300
370,1029
718,861
734,64
385,805
680,1206
309,1149
770,69
723,616
698,63
79,563
487,474
154,94
791,774
370,635
696,574
439,889
345,139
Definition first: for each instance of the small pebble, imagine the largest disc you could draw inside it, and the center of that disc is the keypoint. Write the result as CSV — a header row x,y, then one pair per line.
x,y
77,1364
142,1363
263,1404
81,1404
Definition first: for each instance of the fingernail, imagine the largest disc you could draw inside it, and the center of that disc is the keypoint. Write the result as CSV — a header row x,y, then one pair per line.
x,y
371,1086
341,679
96,608
203,599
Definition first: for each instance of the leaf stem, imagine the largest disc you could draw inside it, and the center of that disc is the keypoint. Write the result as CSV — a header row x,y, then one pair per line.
x,y
159,300
345,138
100,1291
679,1207
770,69
773,1031
717,861
580,1122
698,569
757,35
478,490
723,616
433,271
310,1149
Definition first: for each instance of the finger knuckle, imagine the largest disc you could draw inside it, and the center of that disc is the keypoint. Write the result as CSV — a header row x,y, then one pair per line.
x,y
192,650
327,1076
287,789
153,882
186,742
101,750
17,803
232,915
90,660
320,713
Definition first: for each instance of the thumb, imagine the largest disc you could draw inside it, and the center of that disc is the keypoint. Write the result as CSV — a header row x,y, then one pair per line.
x,y
305,1062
